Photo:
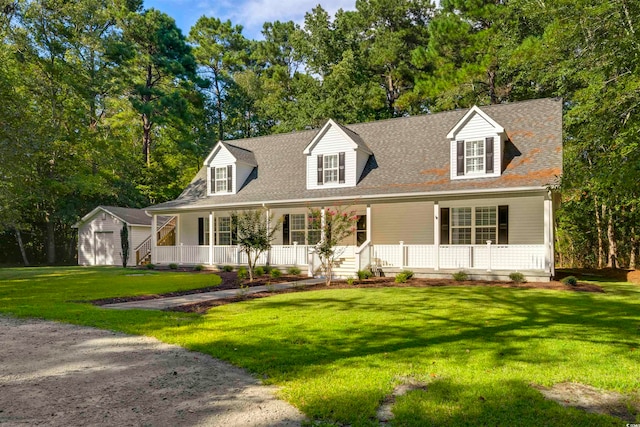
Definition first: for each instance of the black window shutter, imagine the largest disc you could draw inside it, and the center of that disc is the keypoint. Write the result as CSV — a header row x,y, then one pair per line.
x,y
229,178
201,231
213,180
488,152
503,225
460,158
285,229
234,230
341,167
320,170
444,226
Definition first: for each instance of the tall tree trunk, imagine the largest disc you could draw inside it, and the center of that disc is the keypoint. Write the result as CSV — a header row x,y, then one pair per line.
x,y
146,139
634,249
25,261
599,232
51,242
613,249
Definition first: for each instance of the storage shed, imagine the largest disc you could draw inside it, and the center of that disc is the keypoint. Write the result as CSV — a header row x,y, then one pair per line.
x,y
99,235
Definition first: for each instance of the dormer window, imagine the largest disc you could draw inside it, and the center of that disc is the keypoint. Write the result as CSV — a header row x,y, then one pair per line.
x,y
220,184
474,140
221,179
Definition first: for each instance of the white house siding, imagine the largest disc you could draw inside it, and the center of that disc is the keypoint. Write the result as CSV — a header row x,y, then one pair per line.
x,y
526,216
87,240
333,142
187,232
242,172
476,128
411,222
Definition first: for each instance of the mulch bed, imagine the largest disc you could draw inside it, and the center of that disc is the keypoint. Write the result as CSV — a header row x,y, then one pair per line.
x,y
386,282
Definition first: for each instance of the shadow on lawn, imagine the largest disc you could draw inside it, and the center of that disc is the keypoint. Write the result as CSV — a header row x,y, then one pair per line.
x,y
514,317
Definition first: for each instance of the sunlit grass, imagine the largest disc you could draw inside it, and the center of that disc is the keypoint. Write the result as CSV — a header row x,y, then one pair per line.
x,y
338,353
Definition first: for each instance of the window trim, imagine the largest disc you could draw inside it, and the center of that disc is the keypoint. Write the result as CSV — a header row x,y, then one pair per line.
x,y
217,180
481,170
473,225
333,170
307,230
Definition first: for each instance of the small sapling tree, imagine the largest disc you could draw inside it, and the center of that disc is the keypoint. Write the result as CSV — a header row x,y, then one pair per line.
x,y
255,234
338,224
124,243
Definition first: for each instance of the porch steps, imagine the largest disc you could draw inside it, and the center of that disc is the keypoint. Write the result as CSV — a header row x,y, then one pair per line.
x,y
344,268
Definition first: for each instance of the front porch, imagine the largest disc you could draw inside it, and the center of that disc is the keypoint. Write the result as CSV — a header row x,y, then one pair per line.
x,y
487,260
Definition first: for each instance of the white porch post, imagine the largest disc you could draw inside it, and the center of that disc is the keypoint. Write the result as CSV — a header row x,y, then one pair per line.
x,y
368,223
267,213
436,234
211,242
489,256
322,224
154,239
548,232
401,254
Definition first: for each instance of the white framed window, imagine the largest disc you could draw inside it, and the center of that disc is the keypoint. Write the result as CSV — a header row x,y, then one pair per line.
x,y
330,168
220,180
302,230
224,230
461,226
205,231
486,224
474,226
474,156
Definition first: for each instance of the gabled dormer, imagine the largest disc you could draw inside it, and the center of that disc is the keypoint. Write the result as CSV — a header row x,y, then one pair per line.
x,y
476,146
336,157
228,167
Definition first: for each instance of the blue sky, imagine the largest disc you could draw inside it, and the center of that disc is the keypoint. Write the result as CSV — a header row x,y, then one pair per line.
x,y
251,14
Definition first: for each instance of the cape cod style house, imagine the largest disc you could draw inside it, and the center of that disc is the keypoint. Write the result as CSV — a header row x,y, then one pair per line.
x,y
459,190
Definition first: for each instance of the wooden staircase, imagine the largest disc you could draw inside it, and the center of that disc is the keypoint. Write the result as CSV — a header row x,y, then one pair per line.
x,y
166,237
344,268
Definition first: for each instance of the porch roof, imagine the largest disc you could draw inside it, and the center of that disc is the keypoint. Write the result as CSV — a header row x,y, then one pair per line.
x,y
411,155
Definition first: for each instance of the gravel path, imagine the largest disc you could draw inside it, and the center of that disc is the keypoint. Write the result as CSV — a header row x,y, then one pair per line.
x,y
65,375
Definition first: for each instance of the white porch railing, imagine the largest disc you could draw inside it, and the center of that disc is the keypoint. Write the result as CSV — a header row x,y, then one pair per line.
x,y
470,257
463,257
230,254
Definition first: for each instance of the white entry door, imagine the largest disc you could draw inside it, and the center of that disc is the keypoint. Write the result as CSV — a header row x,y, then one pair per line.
x,y
104,248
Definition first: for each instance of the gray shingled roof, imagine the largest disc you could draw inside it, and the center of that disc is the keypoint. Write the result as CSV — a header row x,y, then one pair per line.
x,y
129,215
410,156
241,154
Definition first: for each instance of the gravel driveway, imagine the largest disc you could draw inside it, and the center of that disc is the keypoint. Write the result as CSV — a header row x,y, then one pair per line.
x,y
59,374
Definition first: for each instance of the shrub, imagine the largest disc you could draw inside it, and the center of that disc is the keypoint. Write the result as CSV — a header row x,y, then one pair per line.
x,y
227,268
275,273
294,271
267,269
350,281
150,266
242,273
258,271
570,281
364,274
407,273
173,266
460,276
401,277
198,267
517,277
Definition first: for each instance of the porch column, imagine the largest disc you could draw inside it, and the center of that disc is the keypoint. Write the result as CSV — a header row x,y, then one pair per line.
x,y
211,242
548,232
436,233
368,223
322,224
268,222
154,239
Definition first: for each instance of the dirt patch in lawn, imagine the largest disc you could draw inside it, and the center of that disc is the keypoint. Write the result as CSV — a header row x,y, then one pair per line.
x,y
592,400
64,375
386,282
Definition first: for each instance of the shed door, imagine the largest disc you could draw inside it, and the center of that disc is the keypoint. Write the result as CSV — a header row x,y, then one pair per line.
x,y
104,248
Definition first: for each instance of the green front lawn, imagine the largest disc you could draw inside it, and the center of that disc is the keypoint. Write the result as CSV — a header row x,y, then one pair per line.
x,y
338,353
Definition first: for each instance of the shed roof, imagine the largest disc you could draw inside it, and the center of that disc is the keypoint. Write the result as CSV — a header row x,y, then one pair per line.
x,y
129,215
411,155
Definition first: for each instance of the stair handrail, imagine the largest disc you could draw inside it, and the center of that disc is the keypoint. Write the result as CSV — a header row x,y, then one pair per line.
x,y
145,246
